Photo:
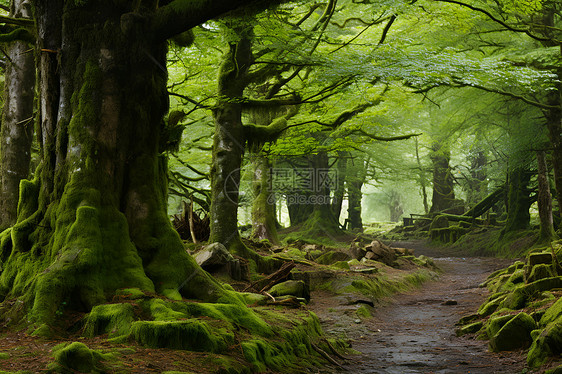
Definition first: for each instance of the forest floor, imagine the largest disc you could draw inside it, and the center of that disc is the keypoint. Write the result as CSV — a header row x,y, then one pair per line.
x,y
412,332
415,332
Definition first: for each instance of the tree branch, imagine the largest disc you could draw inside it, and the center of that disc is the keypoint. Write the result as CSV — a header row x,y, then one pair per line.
x,y
25,22
181,15
384,138
499,21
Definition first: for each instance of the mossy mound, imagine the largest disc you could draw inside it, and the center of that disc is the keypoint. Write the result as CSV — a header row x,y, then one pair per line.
x,y
77,357
514,334
192,335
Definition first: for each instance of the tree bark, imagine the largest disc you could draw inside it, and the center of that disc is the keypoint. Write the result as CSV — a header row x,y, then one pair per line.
x,y
17,123
229,146
519,201
422,178
339,191
264,224
544,200
443,189
94,220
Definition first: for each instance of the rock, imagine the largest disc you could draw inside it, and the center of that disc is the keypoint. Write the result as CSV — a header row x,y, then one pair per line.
x,y
449,302
293,288
469,329
331,257
212,255
547,343
468,319
403,251
552,314
540,258
357,252
369,255
540,271
367,271
516,333
215,258
495,324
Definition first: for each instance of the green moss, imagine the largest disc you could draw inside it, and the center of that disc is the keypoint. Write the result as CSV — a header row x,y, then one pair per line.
x,y
131,293
552,314
4,355
363,312
332,257
112,319
547,343
471,328
514,334
77,357
341,265
494,324
192,334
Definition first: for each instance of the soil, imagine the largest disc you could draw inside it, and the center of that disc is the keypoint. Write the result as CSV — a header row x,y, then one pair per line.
x,y
415,332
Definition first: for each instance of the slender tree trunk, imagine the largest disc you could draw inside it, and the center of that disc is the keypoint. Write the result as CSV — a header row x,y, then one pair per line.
x,y
17,123
228,148
544,200
95,218
354,183
443,188
264,224
339,191
422,178
519,201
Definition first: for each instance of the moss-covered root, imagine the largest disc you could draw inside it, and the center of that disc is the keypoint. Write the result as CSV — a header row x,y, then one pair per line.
x,y
77,357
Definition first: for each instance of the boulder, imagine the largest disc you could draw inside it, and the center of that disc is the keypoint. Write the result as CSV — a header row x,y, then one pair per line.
x,y
216,258
540,258
540,271
547,343
293,288
516,333
332,257
471,328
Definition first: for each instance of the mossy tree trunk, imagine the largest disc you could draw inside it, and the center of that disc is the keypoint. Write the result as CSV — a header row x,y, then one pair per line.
x,y
356,178
264,222
518,199
94,219
443,197
544,200
17,123
229,144
321,222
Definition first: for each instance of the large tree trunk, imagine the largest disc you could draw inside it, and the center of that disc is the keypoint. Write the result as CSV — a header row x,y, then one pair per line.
x,y
94,220
229,146
544,200
355,180
17,122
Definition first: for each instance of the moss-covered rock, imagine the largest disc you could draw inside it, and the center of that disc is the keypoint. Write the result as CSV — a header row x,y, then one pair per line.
x,y
547,343
540,258
296,288
516,333
471,328
553,313
192,334
494,324
332,257
491,304
111,319
540,271
77,357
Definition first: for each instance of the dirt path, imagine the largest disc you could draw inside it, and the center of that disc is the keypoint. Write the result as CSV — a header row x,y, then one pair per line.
x,y
415,333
